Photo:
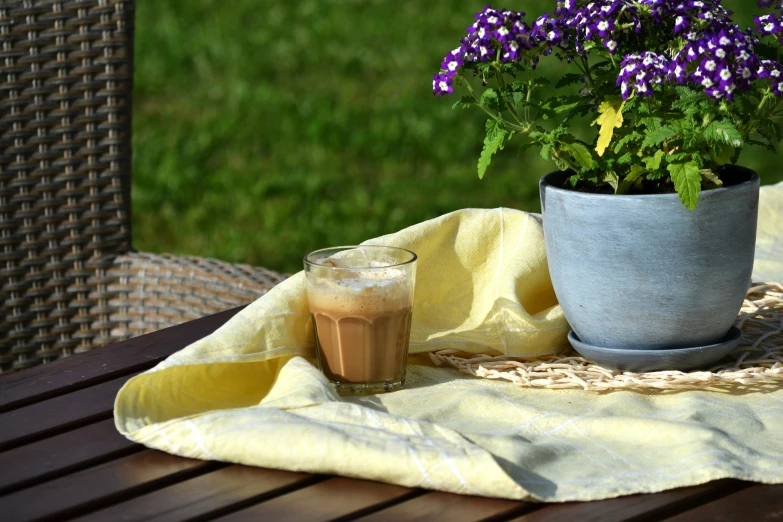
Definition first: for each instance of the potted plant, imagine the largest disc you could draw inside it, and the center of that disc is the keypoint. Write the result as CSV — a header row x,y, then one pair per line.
x,y
650,225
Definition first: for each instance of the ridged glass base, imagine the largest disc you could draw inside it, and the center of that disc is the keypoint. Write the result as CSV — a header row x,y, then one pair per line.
x,y
369,388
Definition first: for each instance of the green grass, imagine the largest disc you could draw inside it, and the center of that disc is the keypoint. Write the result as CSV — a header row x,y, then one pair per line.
x,y
263,129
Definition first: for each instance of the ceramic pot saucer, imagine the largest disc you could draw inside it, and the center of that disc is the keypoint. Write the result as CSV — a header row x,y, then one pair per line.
x,y
683,359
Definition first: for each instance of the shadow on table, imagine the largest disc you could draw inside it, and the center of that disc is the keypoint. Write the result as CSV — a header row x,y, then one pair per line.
x,y
532,482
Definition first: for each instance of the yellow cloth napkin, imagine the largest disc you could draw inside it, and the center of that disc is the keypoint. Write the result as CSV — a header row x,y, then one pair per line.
x,y
249,392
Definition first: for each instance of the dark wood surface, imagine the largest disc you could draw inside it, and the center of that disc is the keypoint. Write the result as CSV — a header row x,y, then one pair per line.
x,y
62,459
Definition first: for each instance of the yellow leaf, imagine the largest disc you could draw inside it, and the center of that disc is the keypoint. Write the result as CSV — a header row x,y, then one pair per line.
x,y
611,118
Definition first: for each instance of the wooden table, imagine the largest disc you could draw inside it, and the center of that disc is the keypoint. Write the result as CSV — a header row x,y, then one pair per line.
x,y
62,459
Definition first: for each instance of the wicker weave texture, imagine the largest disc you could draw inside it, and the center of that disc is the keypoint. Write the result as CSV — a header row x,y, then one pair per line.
x,y
68,278
756,364
64,172
157,291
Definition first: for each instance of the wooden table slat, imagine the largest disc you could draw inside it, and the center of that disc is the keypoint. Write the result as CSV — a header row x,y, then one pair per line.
x,y
100,486
64,453
58,414
103,364
331,499
757,502
206,496
632,507
436,505
60,457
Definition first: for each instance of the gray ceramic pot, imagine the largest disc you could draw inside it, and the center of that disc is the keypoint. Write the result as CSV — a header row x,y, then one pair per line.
x,y
642,271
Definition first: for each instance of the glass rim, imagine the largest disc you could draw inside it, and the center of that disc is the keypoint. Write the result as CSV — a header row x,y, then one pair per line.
x,y
309,262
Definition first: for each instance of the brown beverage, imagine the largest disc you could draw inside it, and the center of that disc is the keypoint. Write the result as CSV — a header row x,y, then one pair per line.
x,y
362,331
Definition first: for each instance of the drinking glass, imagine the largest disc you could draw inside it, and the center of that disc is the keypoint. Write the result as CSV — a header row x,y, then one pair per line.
x,y
361,301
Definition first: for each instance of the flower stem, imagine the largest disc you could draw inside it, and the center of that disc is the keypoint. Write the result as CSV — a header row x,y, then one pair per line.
x,y
761,114
529,92
588,73
502,84
497,117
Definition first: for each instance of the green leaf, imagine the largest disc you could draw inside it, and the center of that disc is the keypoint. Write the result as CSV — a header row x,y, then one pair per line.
x,y
659,136
557,104
645,107
625,185
580,153
546,150
687,182
689,100
776,130
622,142
491,146
484,68
562,164
630,104
725,155
569,79
725,131
611,178
525,146
636,172
464,103
489,97
652,123
677,157
687,94
763,144
654,162
566,107
492,127
625,158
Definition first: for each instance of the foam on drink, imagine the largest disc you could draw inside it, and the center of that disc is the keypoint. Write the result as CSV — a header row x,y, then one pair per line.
x,y
362,320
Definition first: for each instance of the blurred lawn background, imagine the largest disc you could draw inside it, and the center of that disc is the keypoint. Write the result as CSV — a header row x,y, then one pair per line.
x,y
264,129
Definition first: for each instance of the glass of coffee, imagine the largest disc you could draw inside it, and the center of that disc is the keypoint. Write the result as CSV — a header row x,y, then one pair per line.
x,y
361,298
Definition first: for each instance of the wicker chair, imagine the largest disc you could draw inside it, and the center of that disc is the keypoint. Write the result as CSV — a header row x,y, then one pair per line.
x,y
70,279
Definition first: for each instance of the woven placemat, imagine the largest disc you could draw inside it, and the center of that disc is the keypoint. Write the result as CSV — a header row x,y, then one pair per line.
x,y
758,360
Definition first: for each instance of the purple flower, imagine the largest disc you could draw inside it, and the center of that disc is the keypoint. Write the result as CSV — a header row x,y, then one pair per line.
x,y
565,7
769,25
615,21
717,55
572,25
546,29
640,73
773,72
452,62
770,69
684,13
496,33
442,84
680,23
602,27
719,61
